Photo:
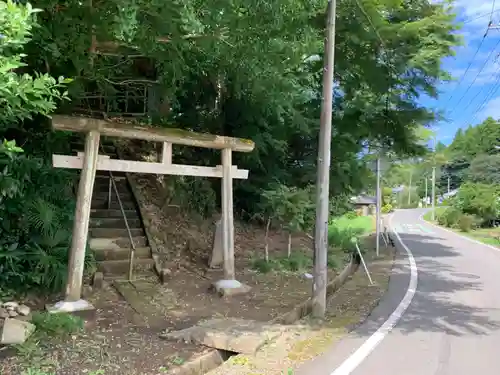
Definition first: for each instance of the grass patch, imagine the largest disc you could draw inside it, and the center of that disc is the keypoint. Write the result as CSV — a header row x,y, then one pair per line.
x,y
342,230
47,326
438,210
298,261
488,236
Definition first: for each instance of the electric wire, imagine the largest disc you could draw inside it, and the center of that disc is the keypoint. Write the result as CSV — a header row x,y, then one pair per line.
x,y
475,79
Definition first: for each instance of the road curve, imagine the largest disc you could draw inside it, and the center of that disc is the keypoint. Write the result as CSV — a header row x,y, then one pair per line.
x,y
451,327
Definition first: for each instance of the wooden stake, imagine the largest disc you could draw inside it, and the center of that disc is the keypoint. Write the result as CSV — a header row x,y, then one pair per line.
x,y
227,215
82,215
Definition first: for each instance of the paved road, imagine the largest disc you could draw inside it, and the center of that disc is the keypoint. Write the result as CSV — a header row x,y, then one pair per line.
x,y
451,327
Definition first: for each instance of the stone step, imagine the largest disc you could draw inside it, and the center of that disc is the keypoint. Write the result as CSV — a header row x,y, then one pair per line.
x,y
115,232
103,204
122,254
116,243
99,213
111,222
103,197
102,186
104,175
121,266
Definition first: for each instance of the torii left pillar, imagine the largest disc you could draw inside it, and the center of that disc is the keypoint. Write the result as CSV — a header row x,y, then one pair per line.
x,y
73,301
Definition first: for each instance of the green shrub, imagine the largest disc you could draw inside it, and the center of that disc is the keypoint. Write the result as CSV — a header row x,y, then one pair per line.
x,y
386,208
449,217
37,207
343,230
351,215
466,222
478,199
298,261
56,324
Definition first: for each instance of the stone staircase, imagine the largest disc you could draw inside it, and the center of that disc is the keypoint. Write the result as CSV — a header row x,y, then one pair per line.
x,y
108,235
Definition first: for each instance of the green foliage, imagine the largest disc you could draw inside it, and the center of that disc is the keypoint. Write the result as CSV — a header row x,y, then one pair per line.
x,y
351,215
47,325
195,194
291,207
479,199
449,217
39,204
36,201
387,208
223,72
56,324
298,261
22,95
466,222
343,231
484,169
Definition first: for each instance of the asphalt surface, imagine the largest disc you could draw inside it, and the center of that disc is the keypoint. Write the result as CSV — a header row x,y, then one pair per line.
x,y
451,327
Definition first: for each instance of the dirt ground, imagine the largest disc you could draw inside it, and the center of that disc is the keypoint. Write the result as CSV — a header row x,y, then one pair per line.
x,y
307,339
116,341
123,338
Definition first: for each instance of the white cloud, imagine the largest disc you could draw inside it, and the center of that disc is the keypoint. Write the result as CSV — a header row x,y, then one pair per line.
x,y
491,109
474,8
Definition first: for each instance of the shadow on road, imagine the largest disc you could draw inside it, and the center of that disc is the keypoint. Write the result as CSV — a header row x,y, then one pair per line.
x,y
444,299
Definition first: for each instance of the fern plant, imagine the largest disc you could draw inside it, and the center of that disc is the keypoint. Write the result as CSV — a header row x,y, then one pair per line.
x,y
36,218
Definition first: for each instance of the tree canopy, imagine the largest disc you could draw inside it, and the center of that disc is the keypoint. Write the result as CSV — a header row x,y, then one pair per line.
x,y
253,69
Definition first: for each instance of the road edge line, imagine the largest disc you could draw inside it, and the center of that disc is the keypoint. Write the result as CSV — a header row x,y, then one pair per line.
x,y
421,218
356,358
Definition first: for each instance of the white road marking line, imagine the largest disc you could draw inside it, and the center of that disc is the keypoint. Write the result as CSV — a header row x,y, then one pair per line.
x,y
351,363
421,218
425,229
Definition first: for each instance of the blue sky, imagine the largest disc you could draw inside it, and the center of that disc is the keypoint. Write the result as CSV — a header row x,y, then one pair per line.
x,y
478,95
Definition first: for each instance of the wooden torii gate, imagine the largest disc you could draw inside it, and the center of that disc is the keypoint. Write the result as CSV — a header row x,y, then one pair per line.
x,y
91,161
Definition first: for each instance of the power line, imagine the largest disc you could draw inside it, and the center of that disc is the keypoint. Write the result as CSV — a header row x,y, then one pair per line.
x,y
490,94
479,92
476,77
487,14
466,70
490,23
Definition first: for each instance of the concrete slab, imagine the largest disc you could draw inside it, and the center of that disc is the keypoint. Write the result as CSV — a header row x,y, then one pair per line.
x,y
230,334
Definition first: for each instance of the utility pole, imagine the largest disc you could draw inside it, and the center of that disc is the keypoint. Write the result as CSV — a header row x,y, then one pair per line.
x,y
448,184
409,189
323,174
433,193
426,194
434,183
377,216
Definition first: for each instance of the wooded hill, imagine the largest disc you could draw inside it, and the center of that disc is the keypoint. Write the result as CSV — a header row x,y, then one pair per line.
x,y
240,68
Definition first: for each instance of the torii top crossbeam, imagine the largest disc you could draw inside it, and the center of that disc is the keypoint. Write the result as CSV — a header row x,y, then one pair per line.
x,y
133,131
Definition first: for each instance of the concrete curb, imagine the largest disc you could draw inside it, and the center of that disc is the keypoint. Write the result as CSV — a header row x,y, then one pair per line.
x,y
305,308
201,365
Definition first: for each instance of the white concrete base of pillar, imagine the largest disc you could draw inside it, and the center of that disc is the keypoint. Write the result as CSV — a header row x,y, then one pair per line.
x,y
70,306
227,288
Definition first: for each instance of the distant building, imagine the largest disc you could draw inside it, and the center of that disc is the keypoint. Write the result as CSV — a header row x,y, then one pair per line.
x,y
364,204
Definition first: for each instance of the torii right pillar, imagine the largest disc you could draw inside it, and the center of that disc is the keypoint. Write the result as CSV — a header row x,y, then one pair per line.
x,y
228,286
